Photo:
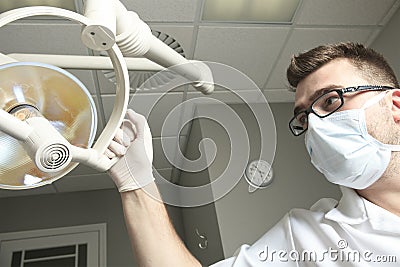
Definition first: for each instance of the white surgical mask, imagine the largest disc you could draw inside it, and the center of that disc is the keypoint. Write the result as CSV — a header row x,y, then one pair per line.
x,y
341,148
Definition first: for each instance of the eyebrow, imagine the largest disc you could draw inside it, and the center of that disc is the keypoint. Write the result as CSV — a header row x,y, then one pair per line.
x,y
315,95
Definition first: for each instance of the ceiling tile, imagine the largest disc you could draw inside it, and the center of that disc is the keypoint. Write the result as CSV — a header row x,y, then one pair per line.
x,y
84,183
107,86
43,38
86,77
388,43
237,97
343,12
194,99
163,11
182,34
169,81
252,50
100,120
155,107
304,39
279,96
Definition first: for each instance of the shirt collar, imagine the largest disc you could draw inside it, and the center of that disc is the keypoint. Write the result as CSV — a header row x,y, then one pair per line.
x,y
350,209
353,209
381,219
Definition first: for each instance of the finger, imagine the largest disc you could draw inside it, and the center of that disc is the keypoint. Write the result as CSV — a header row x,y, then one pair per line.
x,y
118,149
138,120
129,132
119,137
109,154
148,144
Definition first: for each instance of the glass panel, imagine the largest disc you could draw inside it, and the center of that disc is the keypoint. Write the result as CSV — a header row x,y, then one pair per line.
x,y
16,259
65,262
82,255
268,11
49,252
327,103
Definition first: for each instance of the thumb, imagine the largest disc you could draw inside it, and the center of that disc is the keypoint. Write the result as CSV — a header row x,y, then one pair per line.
x,y
139,121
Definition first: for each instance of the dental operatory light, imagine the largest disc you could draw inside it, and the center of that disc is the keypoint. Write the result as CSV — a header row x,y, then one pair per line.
x,y
55,102
9,5
255,11
47,117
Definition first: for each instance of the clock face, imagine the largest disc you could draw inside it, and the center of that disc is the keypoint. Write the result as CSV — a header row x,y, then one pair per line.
x,y
259,174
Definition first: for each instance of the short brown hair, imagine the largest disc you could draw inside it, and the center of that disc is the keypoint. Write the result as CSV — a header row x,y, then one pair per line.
x,y
372,65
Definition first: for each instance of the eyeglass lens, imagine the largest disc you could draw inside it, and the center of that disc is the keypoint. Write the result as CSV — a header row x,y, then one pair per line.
x,y
323,106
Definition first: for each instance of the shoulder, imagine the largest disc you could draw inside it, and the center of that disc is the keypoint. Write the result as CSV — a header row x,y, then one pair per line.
x,y
313,216
298,221
319,208
287,235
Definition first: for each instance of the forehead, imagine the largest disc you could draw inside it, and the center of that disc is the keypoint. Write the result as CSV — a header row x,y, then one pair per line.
x,y
338,73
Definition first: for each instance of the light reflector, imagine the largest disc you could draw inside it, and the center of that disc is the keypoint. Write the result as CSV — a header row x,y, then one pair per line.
x,y
253,11
35,89
8,5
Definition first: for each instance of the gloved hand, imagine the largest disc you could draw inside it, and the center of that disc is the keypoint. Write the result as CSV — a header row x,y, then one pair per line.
x,y
133,144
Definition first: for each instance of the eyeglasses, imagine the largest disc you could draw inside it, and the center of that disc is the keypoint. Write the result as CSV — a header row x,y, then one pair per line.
x,y
326,104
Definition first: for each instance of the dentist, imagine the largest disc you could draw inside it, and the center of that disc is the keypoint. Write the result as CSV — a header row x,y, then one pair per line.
x,y
347,105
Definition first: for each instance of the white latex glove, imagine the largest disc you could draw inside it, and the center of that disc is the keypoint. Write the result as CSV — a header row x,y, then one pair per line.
x,y
133,144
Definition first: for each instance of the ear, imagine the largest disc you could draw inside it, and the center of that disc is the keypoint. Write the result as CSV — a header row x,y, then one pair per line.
x,y
395,98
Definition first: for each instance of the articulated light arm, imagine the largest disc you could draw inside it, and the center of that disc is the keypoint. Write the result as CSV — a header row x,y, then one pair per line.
x,y
134,39
106,26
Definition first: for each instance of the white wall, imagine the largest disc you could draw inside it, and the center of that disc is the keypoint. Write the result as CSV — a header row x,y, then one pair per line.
x,y
70,209
203,218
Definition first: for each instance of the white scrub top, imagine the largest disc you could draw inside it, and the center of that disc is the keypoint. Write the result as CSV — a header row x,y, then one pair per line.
x,y
351,232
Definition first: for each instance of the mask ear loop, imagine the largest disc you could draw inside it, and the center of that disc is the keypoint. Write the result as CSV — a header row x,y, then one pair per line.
x,y
371,102
374,100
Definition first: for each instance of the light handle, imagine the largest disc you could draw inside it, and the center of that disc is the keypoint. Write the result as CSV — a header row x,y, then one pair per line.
x,y
14,127
37,136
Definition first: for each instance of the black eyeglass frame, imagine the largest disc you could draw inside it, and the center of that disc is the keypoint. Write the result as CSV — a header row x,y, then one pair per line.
x,y
340,92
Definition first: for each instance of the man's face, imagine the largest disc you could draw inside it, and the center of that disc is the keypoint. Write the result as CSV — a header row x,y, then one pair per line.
x,y
338,73
381,119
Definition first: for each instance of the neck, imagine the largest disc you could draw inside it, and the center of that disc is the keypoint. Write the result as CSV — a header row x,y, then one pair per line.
x,y
386,191
387,199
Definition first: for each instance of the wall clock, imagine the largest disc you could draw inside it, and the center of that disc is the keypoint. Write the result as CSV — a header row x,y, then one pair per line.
x,y
259,174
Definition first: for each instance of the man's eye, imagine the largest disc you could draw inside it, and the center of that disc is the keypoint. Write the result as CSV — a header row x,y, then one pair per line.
x,y
330,101
302,119
327,103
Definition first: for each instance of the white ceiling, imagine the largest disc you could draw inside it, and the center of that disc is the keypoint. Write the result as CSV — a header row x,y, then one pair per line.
x,y
261,51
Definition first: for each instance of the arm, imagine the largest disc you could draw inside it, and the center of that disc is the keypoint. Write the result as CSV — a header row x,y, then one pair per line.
x,y
153,238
